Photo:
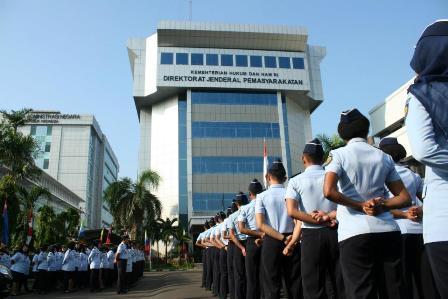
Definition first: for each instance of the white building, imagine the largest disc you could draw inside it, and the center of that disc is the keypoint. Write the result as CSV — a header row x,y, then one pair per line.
x,y
388,120
74,151
208,94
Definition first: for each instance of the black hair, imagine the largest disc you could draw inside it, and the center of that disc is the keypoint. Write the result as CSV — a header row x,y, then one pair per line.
x,y
255,187
396,151
95,243
356,128
229,211
222,215
277,170
207,225
316,158
241,199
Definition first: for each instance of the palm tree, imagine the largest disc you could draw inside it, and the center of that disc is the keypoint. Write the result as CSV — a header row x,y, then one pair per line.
x,y
46,230
182,238
168,230
154,230
330,143
67,224
17,118
132,204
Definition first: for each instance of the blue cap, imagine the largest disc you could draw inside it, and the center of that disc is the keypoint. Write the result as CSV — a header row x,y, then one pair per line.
x,y
313,147
438,28
350,115
388,141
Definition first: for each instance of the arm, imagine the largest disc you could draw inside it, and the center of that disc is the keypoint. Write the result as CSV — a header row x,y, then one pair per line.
x,y
295,238
421,135
331,192
267,229
219,242
294,212
237,242
401,197
249,232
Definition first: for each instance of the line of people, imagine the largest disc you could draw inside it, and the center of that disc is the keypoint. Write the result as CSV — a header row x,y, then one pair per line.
x,y
75,266
356,228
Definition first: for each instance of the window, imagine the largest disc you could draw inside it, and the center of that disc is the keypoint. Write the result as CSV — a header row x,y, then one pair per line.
x,y
46,163
270,61
211,201
204,129
233,164
33,130
298,63
255,61
211,59
47,147
241,60
166,58
197,59
49,130
233,98
226,60
284,62
182,58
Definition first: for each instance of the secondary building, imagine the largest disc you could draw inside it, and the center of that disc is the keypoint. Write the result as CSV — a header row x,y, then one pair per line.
x,y
74,151
208,96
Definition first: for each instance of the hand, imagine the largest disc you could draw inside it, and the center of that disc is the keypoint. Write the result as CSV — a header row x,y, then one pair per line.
x,y
243,251
414,213
225,248
373,207
258,242
318,215
288,250
288,239
332,223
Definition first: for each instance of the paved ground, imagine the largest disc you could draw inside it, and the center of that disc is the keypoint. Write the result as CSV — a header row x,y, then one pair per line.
x,y
155,285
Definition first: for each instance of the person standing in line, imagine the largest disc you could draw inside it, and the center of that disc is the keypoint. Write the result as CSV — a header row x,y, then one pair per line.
x,y
427,128
94,260
280,254
210,255
83,270
52,261
222,256
369,238
204,253
129,265
5,259
121,259
239,252
416,272
247,226
42,268
18,270
214,239
230,250
104,268
319,244
60,258
110,259
35,272
25,252
68,266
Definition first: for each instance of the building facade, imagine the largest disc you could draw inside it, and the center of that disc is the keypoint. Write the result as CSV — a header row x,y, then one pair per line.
x,y
388,120
74,151
208,96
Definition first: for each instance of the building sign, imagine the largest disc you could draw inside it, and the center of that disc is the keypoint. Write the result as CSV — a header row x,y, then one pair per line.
x,y
51,117
188,76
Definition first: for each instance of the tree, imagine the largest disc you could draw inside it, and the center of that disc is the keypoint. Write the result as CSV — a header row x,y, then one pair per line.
x,y
182,238
17,118
132,204
46,230
168,230
330,143
67,224
154,230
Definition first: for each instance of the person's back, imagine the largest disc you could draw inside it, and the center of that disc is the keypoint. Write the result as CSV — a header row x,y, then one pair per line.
x,y
272,202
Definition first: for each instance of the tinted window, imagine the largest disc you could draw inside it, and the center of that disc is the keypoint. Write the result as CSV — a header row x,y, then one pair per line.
x,y
270,61
181,58
255,61
166,58
284,62
298,63
211,59
197,59
241,60
47,147
46,163
226,60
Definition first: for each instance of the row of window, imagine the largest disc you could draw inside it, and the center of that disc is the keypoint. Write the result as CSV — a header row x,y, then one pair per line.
x,y
212,201
207,129
216,164
233,98
282,62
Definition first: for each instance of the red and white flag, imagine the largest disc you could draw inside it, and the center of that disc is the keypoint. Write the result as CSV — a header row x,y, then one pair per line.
x,y
29,235
265,163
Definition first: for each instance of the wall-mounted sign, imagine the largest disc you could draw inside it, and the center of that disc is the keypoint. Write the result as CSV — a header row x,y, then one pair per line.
x,y
51,117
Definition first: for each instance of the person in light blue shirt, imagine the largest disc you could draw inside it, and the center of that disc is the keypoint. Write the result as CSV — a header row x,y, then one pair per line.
x,y
5,259
427,128
104,267
42,268
94,263
111,259
319,246
248,226
83,268
52,266
69,263
280,256
369,238
19,269
121,258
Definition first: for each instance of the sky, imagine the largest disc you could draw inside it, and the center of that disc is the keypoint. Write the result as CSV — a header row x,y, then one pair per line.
x,y
71,56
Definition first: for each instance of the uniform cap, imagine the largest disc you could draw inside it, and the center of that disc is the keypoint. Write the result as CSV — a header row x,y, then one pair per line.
x,y
350,115
313,147
438,28
388,141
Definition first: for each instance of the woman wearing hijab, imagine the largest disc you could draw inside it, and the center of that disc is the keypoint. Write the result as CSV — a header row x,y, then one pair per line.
x,y
427,126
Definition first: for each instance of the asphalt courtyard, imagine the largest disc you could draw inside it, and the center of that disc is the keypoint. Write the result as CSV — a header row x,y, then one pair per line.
x,y
157,285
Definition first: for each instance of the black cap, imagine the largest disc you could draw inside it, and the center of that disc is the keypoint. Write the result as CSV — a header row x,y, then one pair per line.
x,y
438,28
276,165
350,115
388,141
314,147
242,198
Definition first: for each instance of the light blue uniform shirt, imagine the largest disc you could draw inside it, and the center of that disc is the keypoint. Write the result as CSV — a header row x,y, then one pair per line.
x,y
94,258
233,224
20,264
35,262
83,262
70,261
104,261
307,189
60,256
271,203
224,230
247,215
414,185
362,170
431,149
42,263
5,260
52,261
123,251
219,231
111,258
